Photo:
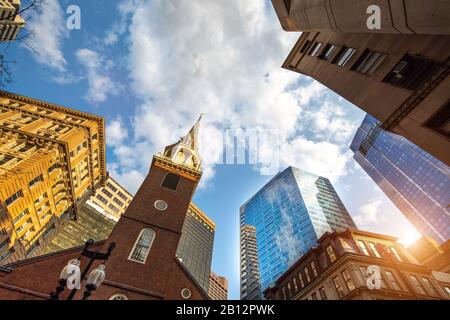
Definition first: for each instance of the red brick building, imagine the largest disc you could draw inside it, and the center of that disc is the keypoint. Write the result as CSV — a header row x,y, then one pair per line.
x,y
142,265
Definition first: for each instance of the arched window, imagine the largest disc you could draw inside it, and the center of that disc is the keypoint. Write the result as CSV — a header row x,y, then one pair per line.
x,y
142,246
171,181
119,297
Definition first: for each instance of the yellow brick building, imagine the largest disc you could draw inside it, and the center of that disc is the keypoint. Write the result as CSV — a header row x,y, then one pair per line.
x,y
51,159
10,21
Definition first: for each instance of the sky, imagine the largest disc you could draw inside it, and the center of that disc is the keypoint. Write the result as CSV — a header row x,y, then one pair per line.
x,y
151,67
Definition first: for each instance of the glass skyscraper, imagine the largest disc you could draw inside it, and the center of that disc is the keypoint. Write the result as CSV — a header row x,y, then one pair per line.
x,y
195,248
289,215
416,182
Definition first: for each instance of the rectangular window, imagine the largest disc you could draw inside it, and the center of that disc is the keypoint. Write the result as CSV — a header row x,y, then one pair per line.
x,y
323,294
314,49
305,46
124,197
417,284
114,209
36,181
348,280
331,253
411,72
308,278
396,255
440,122
113,188
373,247
16,196
300,277
338,286
314,268
103,200
363,247
368,62
107,193
429,286
294,281
4,159
327,51
20,216
289,289
344,56
393,281
314,296
284,293
54,167
118,202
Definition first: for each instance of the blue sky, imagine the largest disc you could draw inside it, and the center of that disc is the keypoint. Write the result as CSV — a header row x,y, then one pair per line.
x,y
151,67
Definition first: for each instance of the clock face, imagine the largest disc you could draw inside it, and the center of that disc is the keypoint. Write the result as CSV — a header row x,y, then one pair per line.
x,y
161,205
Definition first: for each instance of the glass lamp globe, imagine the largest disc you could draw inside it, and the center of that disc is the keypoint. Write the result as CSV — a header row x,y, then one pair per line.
x,y
96,278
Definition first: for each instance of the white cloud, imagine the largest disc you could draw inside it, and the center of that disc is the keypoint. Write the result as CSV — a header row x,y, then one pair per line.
x,y
369,214
48,31
116,132
224,58
101,86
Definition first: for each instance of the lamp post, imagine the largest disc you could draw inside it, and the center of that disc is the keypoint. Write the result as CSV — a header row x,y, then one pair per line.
x,y
72,277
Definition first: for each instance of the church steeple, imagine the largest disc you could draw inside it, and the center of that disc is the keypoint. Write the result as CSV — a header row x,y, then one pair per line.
x,y
185,151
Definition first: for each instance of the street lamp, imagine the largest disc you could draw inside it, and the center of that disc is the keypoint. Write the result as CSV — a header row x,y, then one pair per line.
x,y
71,276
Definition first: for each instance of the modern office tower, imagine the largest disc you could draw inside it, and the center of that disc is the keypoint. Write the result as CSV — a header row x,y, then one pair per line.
x,y
416,182
250,275
52,158
289,214
10,20
196,245
432,254
345,264
111,200
218,287
397,73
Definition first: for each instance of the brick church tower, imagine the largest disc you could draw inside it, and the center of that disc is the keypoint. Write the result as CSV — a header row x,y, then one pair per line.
x,y
147,235
143,264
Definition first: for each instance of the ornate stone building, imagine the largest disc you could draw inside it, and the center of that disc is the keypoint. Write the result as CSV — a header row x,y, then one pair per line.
x,y
345,266
10,20
397,73
138,260
52,158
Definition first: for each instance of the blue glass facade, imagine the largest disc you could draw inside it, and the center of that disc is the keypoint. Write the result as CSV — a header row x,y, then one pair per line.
x,y
290,213
417,183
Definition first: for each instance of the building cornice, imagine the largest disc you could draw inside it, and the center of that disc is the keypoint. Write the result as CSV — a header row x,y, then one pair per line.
x,y
169,165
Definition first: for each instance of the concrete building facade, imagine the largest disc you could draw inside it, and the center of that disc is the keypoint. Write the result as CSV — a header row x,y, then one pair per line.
x,y
398,73
218,287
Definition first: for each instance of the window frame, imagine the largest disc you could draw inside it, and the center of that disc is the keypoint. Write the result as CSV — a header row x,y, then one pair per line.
x,y
166,177
138,239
